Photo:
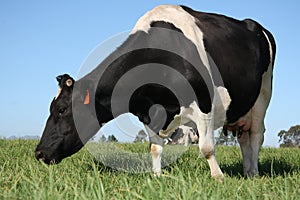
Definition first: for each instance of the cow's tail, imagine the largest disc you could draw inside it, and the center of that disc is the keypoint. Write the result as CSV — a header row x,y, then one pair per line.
x,y
272,44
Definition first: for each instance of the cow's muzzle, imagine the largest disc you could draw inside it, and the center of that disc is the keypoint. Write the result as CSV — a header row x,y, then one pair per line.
x,y
40,156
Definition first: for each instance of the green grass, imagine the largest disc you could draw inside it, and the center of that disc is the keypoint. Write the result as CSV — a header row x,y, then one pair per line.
x,y
80,177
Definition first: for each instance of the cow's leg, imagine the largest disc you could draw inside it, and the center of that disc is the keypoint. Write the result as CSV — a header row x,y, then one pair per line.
x,y
256,141
156,152
156,149
252,140
206,145
258,112
256,136
205,128
258,127
244,141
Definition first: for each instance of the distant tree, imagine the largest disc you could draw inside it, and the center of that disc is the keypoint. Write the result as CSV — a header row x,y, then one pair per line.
x,y
112,138
228,140
221,138
141,136
102,139
290,138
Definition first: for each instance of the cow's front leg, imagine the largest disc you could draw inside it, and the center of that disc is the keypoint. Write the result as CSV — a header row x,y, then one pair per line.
x,y
207,147
156,149
156,152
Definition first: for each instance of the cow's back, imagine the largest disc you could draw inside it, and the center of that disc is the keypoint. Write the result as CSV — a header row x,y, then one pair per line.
x,y
240,51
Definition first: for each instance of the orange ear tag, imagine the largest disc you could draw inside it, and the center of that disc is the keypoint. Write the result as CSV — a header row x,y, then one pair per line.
x,y
87,98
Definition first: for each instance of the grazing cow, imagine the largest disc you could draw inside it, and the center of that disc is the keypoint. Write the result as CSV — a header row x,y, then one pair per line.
x,y
189,66
185,134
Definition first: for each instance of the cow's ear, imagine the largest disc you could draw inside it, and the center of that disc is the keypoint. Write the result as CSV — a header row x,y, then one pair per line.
x,y
69,82
65,80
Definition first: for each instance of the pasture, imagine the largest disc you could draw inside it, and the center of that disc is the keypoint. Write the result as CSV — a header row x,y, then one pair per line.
x,y
80,177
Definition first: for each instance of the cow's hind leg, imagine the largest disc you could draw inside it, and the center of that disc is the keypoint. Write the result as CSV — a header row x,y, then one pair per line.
x,y
259,111
257,130
252,140
245,145
251,144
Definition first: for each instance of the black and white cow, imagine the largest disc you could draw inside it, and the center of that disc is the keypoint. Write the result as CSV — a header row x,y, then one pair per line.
x,y
174,51
184,135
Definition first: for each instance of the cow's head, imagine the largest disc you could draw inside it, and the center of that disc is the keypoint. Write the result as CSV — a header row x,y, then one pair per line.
x,y
60,138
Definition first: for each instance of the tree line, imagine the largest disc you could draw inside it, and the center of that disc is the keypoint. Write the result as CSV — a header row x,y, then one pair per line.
x,y
287,138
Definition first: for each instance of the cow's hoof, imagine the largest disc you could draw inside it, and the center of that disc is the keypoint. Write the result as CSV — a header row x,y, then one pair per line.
x,y
218,177
157,174
254,174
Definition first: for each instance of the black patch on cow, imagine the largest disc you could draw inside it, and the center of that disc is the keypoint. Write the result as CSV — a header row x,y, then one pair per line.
x,y
147,95
162,24
150,94
241,53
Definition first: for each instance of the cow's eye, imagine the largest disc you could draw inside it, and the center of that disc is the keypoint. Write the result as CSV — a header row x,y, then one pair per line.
x,y
61,111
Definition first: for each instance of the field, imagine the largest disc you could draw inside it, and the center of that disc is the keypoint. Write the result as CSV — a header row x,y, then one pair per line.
x,y
80,177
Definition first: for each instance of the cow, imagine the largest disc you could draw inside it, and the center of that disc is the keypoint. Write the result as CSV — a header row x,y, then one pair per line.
x,y
177,66
185,134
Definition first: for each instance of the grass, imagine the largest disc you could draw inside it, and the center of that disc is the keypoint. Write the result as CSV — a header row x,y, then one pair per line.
x,y
80,177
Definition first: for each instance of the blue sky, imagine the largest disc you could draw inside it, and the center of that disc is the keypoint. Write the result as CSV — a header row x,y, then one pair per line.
x,y
42,39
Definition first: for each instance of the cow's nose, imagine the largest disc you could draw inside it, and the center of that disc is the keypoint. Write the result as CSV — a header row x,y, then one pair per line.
x,y
39,155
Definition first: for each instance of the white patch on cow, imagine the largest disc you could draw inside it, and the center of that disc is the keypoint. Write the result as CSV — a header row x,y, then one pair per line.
x,y
180,19
193,113
205,123
58,93
270,49
221,103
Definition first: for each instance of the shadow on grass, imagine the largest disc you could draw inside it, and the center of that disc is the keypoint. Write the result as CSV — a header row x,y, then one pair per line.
x,y
272,162
277,168
266,168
